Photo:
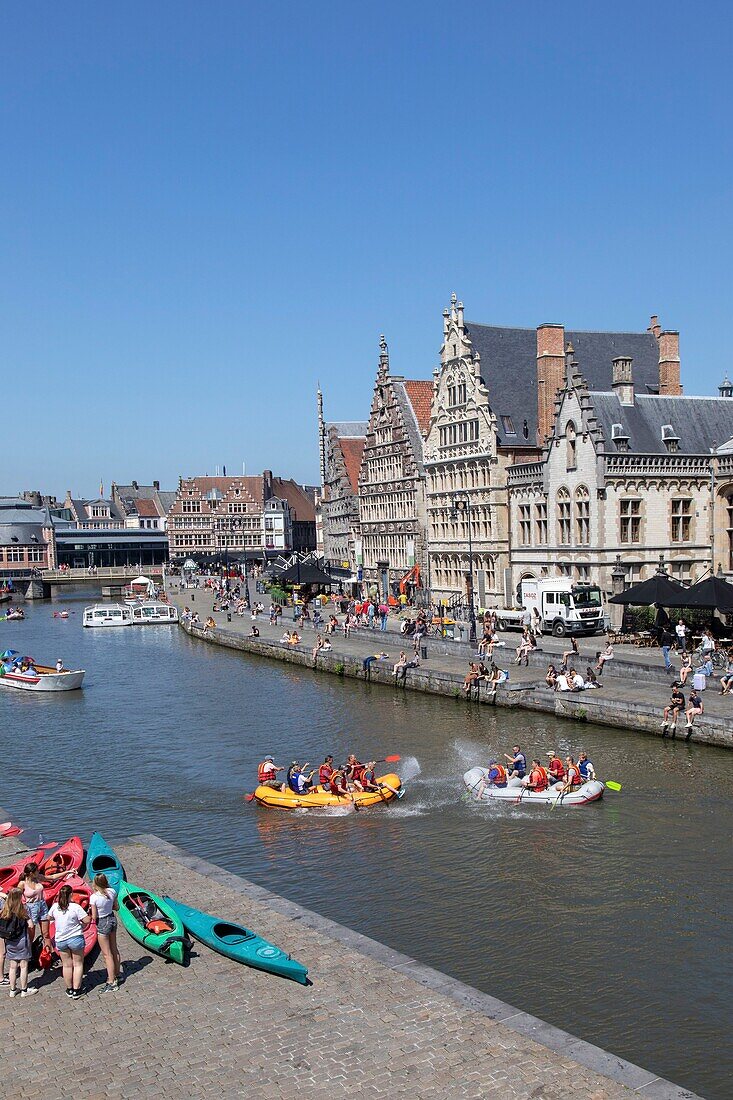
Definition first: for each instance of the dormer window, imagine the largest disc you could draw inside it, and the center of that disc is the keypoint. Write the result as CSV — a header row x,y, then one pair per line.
x,y
619,437
670,438
214,495
508,425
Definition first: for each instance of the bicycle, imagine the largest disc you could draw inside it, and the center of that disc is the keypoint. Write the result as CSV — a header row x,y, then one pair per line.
x,y
718,658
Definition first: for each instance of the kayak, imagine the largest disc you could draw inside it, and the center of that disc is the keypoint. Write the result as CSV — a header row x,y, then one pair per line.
x,y
69,856
589,792
152,922
238,943
11,875
102,860
289,800
81,894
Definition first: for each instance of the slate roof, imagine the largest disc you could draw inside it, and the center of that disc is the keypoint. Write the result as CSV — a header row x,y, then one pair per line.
x,y
348,429
509,367
352,450
700,423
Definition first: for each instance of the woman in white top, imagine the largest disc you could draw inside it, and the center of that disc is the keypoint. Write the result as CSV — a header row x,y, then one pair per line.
x,y
104,907
70,920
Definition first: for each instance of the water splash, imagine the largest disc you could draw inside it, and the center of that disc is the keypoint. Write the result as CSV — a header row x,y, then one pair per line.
x,y
410,768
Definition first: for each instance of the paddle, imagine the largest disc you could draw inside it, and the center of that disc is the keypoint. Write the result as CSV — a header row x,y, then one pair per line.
x,y
14,830
27,851
611,785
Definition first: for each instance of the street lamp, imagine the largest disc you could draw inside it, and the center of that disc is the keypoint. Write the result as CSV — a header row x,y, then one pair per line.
x,y
461,506
228,525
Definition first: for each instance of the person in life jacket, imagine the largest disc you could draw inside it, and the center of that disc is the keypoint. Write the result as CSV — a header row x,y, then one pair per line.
x,y
497,777
267,775
325,772
338,785
517,763
573,778
369,781
585,766
538,779
354,770
298,781
556,768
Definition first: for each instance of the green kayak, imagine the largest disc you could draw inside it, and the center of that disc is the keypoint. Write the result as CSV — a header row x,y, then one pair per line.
x,y
152,922
238,943
102,860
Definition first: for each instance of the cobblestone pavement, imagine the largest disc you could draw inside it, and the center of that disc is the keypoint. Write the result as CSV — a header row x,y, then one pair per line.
x,y
219,1029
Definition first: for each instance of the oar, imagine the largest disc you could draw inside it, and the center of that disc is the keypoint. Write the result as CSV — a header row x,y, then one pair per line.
x,y
27,851
611,785
389,759
14,830
558,799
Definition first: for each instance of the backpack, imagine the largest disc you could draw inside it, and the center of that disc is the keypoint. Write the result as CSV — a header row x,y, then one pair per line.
x,y
12,928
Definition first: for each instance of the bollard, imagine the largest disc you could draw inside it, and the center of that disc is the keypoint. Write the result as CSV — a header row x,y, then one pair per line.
x,y
229,616
424,652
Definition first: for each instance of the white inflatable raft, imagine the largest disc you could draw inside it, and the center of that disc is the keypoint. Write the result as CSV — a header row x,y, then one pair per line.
x,y
589,792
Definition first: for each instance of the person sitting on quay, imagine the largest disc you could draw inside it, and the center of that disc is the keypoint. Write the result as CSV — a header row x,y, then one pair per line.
x,y
472,677
497,777
575,681
297,780
602,659
210,624
489,640
326,647
672,710
496,676
568,654
325,772
525,647
517,763
556,768
317,647
591,680
368,781
585,767
538,779
707,648
332,626
267,774
254,632
685,667
726,679
400,668
696,707
551,677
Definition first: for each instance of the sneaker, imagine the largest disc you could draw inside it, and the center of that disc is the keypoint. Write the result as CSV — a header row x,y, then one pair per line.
x,y
665,725
5,981
109,987
14,992
400,794
69,992
76,994
29,991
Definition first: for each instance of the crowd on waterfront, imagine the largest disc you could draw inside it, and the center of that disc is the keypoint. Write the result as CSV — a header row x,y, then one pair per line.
x,y
24,912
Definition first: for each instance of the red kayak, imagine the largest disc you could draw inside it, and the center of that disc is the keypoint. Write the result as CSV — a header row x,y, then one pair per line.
x,y
81,894
68,857
11,875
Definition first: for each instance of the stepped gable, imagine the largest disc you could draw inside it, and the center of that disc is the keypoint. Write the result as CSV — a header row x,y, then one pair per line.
x,y
509,367
699,423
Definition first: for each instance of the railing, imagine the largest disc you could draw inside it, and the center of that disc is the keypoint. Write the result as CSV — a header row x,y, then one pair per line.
x,y
524,473
84,573
656,465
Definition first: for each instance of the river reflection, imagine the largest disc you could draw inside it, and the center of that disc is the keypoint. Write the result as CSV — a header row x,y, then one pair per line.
x,y
612,921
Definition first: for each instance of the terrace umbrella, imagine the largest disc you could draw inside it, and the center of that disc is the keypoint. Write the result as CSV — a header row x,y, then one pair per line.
x,y
659,589
304,573
713,593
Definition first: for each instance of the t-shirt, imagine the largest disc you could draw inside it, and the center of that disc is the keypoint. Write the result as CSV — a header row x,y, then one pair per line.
x,y
68,922
104,903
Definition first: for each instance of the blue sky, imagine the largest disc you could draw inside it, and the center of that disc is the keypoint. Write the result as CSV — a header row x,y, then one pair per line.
x,y
205,209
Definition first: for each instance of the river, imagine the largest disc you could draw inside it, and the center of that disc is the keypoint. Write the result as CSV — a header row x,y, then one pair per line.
x,y
614,922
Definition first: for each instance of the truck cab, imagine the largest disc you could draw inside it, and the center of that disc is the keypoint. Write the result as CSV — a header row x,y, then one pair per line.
x,y
565,606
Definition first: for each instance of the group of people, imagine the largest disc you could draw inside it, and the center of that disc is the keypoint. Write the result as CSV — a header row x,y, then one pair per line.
x,y
343,781
479,673
560,775
695,708
24,912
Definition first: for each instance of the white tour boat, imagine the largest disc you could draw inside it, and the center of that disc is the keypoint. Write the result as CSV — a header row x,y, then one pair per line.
x,y
114,614
516,794
154,613
41,678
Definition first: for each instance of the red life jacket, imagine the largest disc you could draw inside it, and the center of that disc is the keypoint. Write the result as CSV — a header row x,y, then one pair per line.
x,y
334,784
358,772
368,777
557,771
541,779
264,774
324,774
501,777
574,777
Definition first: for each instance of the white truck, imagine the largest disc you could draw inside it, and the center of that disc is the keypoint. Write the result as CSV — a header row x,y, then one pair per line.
x,y
565,607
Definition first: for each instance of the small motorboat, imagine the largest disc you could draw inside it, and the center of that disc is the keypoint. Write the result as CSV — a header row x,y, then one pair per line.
x,y
238,943
289,800
149,613
152,922
39,677
106,615
102,860
515,793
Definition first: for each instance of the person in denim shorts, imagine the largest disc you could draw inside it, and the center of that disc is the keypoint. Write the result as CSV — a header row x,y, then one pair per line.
x,y
104,906
35,902
70,920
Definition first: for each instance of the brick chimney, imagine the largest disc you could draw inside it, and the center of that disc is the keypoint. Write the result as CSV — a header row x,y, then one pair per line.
x,y
622,382
669,363
267,484
156,485
654,326
550,375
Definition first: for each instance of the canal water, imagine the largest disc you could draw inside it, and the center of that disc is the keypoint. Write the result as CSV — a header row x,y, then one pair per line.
x,y
614,922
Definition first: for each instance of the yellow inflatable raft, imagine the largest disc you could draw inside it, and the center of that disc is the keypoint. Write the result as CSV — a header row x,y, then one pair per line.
x,y
288,800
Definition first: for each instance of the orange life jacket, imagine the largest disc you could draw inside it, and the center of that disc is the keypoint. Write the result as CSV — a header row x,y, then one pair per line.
x,y
159,926
264,774
574,778
324,774
541,781
501,777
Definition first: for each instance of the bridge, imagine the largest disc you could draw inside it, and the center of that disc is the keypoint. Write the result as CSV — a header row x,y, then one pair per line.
x,y
107,574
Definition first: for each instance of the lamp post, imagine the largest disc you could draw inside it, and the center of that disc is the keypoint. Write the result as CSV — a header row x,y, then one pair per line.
x,y
228,525
461,506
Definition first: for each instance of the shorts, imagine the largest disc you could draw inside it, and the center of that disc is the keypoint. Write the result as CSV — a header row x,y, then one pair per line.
x,y
107,924
37,910
76,943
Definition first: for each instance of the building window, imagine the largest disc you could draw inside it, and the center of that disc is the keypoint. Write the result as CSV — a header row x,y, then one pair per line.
x,y
570,439
508,425
540,520
563,517
466,431
681,519
729,508
582,572
630,520
191,505
582,516
457,394
525,524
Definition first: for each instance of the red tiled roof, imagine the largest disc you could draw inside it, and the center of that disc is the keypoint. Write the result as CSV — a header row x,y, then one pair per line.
x,y
420,394
147,508
300,503
352,450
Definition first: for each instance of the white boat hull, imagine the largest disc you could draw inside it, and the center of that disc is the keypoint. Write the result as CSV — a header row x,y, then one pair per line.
x,y
47,681
589,792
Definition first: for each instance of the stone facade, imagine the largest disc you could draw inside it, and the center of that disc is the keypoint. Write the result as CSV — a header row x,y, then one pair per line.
x,y
341,448
463,462
391,480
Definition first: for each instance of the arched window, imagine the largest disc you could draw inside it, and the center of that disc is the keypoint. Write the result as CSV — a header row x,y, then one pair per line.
x,y
570,439
582,516
563,517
